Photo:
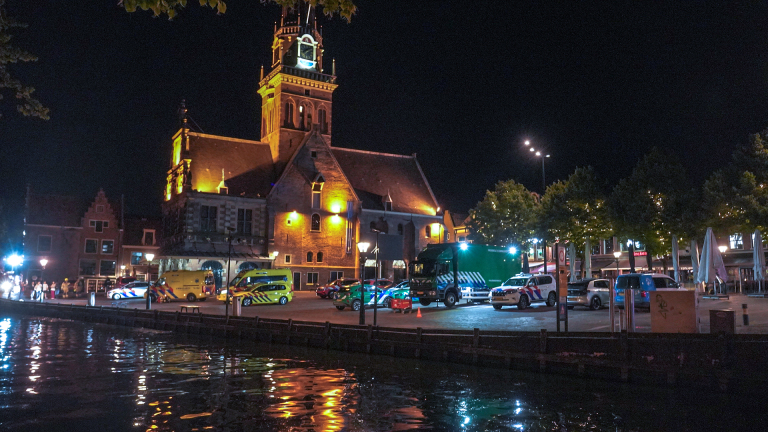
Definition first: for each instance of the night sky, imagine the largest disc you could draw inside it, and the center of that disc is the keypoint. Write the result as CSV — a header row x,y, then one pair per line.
x,y
462,84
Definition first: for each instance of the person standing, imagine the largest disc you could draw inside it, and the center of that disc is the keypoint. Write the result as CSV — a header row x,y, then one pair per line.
x,y
46,290
54,290
38,291
65,288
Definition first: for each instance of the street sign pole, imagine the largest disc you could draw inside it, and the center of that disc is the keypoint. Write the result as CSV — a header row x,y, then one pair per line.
x,y
562,287
557,283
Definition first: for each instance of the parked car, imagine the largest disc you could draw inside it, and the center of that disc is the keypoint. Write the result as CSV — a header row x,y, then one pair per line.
x,y
592,293
350,297
123,281
328,290
524,289
134,289
400,291
640,284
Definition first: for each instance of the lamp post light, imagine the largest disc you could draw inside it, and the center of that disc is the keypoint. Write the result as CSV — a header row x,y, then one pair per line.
x,y
543,155
150,257
362,247
376,276
122,270
43,263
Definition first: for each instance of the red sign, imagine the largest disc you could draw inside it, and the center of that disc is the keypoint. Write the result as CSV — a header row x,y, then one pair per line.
x,y
641,253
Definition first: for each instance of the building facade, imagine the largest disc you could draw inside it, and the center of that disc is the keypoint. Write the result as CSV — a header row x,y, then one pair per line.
x,y
292,199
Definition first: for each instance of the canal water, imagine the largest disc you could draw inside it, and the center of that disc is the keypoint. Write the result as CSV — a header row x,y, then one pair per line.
x,y
58,375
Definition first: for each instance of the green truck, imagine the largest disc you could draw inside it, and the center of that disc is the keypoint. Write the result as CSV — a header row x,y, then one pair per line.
x,y
478,268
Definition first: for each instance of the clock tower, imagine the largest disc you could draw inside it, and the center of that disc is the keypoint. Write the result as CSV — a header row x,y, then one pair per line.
x,y
296,94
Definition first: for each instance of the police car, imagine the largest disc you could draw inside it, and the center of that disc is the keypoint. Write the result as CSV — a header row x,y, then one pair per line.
x,y
272,292
524,289
131,290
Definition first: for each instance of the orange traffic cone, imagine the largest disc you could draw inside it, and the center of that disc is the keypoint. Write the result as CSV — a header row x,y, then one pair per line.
x,y
418,312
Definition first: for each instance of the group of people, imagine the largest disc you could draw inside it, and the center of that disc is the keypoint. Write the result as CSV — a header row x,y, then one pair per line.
x,y
40,290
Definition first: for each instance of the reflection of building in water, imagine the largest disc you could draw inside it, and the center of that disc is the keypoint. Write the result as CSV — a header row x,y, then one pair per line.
x,y
311,399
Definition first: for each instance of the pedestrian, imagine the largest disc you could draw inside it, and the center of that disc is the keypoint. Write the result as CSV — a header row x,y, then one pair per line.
x,y
54,290
65,288
38,291
46,290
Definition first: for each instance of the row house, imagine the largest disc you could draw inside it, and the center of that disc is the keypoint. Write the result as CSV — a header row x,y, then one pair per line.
x,y
81,240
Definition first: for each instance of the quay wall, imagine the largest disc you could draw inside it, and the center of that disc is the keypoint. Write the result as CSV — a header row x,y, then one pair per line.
x,y
720,362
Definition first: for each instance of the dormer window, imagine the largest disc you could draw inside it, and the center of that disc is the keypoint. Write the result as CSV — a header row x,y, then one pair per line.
x,y
317,189
387,206
387,201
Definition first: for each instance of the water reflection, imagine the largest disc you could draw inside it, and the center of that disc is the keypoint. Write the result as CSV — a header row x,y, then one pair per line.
x,y
62,375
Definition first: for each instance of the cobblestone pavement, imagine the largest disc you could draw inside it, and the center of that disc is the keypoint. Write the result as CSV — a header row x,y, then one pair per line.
x,y
307,307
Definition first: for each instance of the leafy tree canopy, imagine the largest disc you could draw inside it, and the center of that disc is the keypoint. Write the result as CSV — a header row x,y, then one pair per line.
x,y
641,205
344,8
9,54
575,210
736,197
506,216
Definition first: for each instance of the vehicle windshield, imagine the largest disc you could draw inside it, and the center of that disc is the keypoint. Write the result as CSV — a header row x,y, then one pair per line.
x,y
251,280
515,281
423,268
237,278
631,282
576,286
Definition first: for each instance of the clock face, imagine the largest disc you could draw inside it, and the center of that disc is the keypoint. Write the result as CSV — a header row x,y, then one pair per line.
x,y
307,52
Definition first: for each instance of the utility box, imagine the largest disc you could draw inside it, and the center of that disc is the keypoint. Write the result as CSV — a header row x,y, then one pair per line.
x,y
237,306
674,311
722,321
92,299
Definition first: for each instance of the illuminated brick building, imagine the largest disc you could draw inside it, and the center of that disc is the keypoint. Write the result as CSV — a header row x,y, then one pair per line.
x,y
293,200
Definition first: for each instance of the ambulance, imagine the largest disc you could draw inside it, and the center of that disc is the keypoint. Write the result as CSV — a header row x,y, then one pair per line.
x,y
247,279
189,285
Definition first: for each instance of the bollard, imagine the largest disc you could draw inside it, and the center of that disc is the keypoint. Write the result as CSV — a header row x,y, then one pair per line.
x,y
92,299
745,314
149,301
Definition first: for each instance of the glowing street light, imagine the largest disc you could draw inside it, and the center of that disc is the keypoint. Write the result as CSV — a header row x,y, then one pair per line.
x,y
722,248
362,247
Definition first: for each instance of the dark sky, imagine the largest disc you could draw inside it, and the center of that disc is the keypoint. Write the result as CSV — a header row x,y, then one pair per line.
x,y
460,83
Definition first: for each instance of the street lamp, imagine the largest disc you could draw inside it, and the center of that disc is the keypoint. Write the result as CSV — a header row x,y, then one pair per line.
x,y
376,277
362,247
617,255
122,270
722,248
43,262
543,155
150,257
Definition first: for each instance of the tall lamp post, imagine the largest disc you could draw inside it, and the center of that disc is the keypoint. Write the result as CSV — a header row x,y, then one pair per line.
x,y
150,257
543,155
723,287
376,276
362,247
43,263
612,298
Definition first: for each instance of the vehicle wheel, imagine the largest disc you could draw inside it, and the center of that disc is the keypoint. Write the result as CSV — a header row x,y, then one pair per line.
x,y
425,302
283,300
595,304
497,307
387,303
450,299
356,305
247,301
340,307
551,299
191,297
523,303
116,296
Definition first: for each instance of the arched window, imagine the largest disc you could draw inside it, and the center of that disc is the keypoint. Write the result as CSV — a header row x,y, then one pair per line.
x,y
263,127
309,257
319,257
322,120
289,114
428,230
302,113
309,119
315,222
400,229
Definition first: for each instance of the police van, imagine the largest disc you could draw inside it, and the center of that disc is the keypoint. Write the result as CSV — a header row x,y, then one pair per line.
x,y
524,289
247,279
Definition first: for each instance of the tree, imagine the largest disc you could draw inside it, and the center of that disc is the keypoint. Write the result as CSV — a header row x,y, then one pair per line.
x,y
506,216
736,197
344,8
9,54
643,206
575,210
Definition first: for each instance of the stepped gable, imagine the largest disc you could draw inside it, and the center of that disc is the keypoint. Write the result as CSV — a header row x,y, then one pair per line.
x,y
374,175
248,166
